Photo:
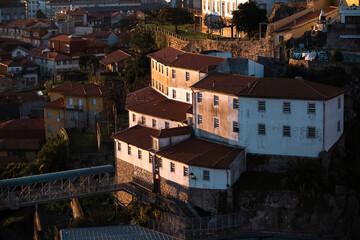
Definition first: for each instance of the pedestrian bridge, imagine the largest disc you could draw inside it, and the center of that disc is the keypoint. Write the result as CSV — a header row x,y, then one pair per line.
x,y
57,186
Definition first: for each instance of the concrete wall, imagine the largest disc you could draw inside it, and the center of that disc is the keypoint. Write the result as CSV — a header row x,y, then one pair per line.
x,y
160,122
181,94
333,114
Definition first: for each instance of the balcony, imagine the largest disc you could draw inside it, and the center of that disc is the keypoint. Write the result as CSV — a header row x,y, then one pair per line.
x,y
75,107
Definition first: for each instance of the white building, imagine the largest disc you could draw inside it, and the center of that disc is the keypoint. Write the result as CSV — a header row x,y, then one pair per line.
x,y
290,117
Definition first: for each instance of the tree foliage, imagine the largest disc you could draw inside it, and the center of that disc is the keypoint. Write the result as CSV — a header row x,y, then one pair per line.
x,y
143,41
175,16
40,14
89,61
337,56
248,16
126,24
214,22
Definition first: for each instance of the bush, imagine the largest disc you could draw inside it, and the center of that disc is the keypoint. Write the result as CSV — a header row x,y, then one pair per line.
x,y
337,56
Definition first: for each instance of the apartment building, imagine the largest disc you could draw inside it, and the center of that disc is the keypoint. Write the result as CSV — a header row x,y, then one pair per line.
x,y
74,105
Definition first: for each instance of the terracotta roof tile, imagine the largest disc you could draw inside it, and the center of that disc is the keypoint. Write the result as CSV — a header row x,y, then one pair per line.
x,y
66,86
200,62
157,105
167,55
138,136
115,57
54,56
103,34
30,96
88,90
23,129
58,103
285,88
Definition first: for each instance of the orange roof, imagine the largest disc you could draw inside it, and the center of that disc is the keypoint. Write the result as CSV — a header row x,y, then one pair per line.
x,y
167,55
149,102
138,136
284,88
115,57
88,90
58,103
171,132
23,128
30,96
54,56
103,34
311,16
66,86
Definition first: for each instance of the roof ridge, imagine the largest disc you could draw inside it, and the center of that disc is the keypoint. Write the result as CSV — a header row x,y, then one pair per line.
x,y
223,157
303,81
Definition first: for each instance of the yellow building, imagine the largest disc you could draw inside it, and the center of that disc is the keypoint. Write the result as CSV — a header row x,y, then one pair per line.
x,y
74,105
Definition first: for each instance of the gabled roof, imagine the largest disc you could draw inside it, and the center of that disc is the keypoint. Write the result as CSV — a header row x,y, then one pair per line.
x,y
224,83
54,56
58,103
157,105
167,55
200,62
115,57
23,128
88,90
201,153
66,86
138,136
283,88
29,96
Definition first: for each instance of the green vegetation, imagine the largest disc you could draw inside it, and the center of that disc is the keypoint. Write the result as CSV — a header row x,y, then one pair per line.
x,y
81,76
175,16
183,30
337,56
141,213
143,41
80,142
247,17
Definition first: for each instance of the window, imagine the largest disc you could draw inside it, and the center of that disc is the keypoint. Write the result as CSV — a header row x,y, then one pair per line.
x,y
143,120
80,103
199,97
119,146
154,123
311,132
311,108
150,158
235,103
172,167
156,66
153,82
129,150
216,122
235,127
174,93
188,97
162,87
286,131
186,171
281,39
187,74
139,154
156,84
286,107
338,126
234,6
160,162
49,128
162,69
67,48
173,73
153,64
261,129
261,106
71,102
61,116
166,125
206,175
167,71
216,100
94,101
48,114
54,97
228,8
199,119
339,102
133,117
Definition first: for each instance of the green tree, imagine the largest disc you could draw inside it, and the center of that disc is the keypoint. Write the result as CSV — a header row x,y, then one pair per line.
x,y
52,156
143,41
175,16
40,14
248,16
126,24
337,56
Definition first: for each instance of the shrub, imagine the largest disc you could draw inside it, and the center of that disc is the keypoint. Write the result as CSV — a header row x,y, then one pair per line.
x,y
337,56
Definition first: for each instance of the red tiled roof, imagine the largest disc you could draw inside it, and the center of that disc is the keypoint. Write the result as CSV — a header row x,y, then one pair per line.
x,y
138,136
166,55
268,87
141,96
115,57
66,38
200,62
54,56
23,129
90,89
224,83
170,132
58,103
66,86
103,34
158,106
31,96
201,153
307,17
